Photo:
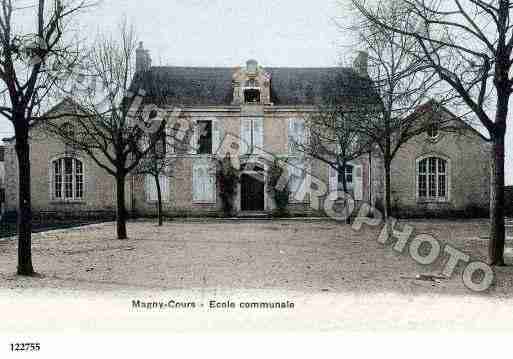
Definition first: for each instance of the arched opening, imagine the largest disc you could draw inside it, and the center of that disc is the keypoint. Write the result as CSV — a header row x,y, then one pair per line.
x,y
252,187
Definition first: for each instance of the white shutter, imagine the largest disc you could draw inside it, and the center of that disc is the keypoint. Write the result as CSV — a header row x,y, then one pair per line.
x,y
193,141
291,136
203,181
164,187
197,178
258,135
216,136
333,179
299,131
245,136
169,140
308,179
358,183
298,180
145,142
210,184
150,188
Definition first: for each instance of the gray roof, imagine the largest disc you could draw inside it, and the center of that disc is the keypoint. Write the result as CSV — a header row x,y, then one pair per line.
x,y
189,86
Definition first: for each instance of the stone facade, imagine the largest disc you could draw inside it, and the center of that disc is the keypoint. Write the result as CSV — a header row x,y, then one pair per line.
x,y
276,97
468,175
98,192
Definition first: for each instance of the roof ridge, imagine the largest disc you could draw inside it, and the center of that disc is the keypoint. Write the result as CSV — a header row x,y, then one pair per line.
x,y
264,67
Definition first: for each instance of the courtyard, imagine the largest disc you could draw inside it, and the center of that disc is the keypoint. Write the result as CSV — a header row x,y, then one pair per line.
x,y
337,278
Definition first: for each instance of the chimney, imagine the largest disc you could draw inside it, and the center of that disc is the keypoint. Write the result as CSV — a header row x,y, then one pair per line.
x,y
361,63
142,59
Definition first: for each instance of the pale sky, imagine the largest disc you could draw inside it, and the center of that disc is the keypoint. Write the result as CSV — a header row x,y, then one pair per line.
x,y
229,32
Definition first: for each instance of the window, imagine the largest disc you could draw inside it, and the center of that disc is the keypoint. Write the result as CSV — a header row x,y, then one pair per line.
x,y
432,131
160,148
160,144
296,134
349,179
354,181
432,178
203,182
252,96
67,130
151,188
299,180
204,137
252,135
252,83
68,179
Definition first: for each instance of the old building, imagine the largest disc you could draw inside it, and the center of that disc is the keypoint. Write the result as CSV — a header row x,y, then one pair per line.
x,y
253,112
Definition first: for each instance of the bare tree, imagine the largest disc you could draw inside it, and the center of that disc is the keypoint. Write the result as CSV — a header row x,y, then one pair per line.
x,y
32,58
156,164
403,83
332,138
109,121
469,44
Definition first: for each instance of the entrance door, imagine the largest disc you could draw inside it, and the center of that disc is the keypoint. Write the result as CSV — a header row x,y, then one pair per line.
x,y
252,191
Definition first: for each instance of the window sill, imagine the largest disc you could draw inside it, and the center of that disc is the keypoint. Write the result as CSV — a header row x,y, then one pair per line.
x,y
299,202
68,201
432,200
193,155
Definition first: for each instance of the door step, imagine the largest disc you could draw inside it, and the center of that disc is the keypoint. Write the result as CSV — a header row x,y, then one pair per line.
x,y
253,215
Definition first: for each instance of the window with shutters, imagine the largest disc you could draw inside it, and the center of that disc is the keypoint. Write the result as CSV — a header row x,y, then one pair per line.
x,y
354,181
204,137
432,179
151,188
160,140
207,137
349,179
299,179
67,179
252,135
297,135
203,182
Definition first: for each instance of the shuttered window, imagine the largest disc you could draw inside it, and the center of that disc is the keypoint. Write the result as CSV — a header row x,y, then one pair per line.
x,y
203,181
207,136
151,188
299,179
252,135
297,135
354,181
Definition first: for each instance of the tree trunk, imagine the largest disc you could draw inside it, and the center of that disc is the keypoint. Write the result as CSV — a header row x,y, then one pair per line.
x,y
121,217
22,146
387,206
497,230
342,169
159,198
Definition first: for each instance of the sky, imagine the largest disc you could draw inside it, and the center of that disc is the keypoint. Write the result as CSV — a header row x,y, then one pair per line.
x,y
229,32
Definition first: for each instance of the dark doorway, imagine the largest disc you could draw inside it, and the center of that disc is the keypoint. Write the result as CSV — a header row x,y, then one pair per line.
x,y
252,191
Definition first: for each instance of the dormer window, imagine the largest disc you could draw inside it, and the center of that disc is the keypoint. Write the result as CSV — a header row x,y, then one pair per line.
x,y
251,96
251,85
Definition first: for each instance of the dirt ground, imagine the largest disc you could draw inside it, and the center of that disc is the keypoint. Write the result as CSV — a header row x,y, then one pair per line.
x,y
319,261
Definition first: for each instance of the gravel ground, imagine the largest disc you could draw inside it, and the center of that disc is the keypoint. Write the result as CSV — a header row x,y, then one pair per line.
x,y
337,277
